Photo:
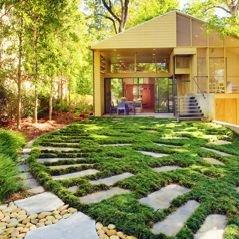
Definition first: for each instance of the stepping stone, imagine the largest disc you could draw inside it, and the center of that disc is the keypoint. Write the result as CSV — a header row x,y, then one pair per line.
x,y
102,195
30,183
26,151
59,149
221,142
23,168
166,168
77,226
76,174
212,228
174,222
153,154
36,190
73,189
115,145
26,175
53,160
162,198
213,161
43,202
217,152
69,166
112,180
168,145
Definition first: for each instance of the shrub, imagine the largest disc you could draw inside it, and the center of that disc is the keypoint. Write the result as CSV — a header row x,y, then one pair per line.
x,y
10,145
8,177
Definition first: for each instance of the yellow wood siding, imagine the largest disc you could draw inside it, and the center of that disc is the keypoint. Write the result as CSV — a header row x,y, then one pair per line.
x,y
98,86
155,33
232,62
227,108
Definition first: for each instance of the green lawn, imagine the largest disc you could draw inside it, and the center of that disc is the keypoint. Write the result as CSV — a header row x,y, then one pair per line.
x,y
214,186
10,145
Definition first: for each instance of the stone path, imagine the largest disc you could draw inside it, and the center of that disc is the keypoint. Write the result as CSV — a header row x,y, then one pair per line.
x,y
212,228
173,223
32,186
102,195
78,226
54,160
168,145
115,145
162,198
153,154
217,152
221,142
112,180
40,203
213,161
69,166
58,149
83,173
166,168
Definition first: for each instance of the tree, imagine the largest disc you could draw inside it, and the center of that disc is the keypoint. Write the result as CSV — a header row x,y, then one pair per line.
x,y
141,11
117,12
226,23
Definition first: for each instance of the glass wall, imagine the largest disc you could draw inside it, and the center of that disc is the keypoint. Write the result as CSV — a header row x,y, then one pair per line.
x,y
216,70
202,74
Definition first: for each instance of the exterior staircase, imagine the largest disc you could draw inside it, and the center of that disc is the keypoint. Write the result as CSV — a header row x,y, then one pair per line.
x,y
187,108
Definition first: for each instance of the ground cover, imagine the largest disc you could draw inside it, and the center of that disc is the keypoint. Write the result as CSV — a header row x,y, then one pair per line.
x,y
10,145
209,188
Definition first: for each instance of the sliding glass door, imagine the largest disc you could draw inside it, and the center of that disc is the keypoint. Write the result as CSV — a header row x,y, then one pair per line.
x,y
163,95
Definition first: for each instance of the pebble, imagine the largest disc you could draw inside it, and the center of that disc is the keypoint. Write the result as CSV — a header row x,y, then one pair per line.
x,y
110,232
15,223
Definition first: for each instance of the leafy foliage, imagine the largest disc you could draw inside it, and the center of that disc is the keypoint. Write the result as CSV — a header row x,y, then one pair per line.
x,y
10,144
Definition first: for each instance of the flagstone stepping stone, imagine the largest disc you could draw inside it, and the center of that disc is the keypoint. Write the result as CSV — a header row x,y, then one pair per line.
x,y
166,168
36,190
69,166
43,202
102,195
73,189
153,154
26,175
76,174
77,226
58,144
213,161
217,152
23,168
59,149
112,180
54,160
168,145
174,222
26,151
162,198
221,142
115,145
212,228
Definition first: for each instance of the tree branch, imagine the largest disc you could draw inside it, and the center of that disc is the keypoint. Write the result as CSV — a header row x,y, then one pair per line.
x,y
220,7
109,9
111,19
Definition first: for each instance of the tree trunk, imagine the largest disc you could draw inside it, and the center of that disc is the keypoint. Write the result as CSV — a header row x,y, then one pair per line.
x,y
35,106
19,83
50,101
36,77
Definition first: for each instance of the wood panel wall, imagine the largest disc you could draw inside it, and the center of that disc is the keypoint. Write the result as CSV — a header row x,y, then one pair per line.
x,y
227,108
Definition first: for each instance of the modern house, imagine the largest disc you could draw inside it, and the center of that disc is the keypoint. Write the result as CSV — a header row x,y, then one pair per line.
x,y
171,63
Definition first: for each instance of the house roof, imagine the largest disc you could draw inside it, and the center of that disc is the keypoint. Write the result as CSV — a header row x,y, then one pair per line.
x,y
159,32
148,32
